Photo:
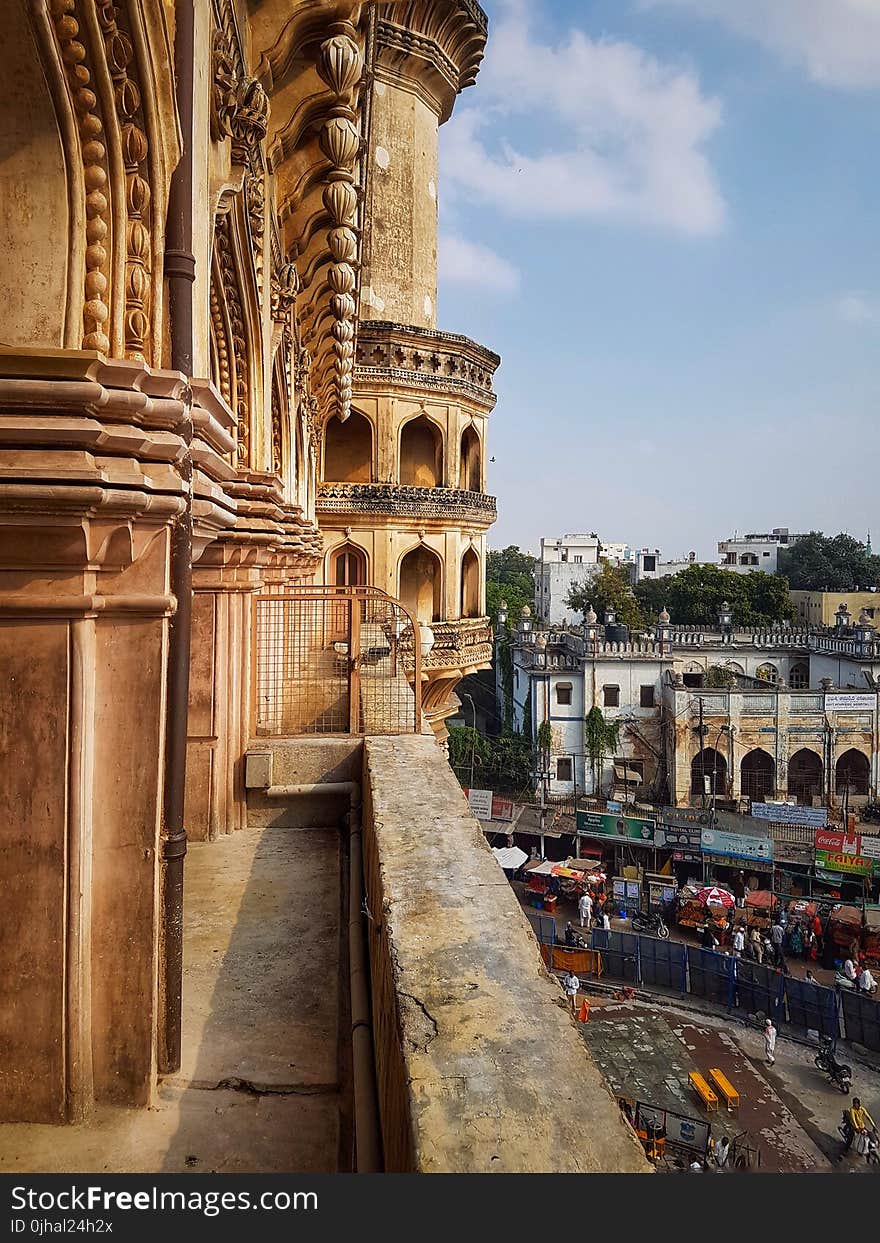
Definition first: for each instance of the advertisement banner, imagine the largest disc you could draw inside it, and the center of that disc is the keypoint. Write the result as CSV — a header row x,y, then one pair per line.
x,y
671,837
786,813
600,824
839,852
736,845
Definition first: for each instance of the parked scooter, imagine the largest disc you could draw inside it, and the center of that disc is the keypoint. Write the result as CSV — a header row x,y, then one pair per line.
x,y
651,924
838,1073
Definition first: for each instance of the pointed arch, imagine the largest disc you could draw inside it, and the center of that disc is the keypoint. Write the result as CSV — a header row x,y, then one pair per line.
x,y
470,605
420,453
852,773
806,776
348,449
348,566
471,465
708,773
420,583
767,673
757,772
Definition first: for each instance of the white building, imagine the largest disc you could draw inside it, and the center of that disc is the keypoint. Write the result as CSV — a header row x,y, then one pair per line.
x,y
747,553
563,562
648,563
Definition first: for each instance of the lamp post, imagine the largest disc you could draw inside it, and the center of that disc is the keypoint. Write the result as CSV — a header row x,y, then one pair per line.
x,y
664,630
725,619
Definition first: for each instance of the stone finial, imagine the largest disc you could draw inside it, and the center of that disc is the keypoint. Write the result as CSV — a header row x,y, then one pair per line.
x,y
540,640
590,616
664,618
865,620
525,611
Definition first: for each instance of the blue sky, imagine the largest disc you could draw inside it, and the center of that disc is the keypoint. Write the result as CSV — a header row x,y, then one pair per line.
x,y
665,216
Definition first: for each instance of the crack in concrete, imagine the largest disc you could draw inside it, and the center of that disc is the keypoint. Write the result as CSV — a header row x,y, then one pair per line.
x,y
251,1088
427,1014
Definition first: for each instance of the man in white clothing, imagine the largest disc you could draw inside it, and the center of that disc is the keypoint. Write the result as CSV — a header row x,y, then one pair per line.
x,y
769,1042
585,909
739,943
572,985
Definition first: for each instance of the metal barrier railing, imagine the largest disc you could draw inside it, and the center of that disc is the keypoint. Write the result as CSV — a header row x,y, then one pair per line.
x,y
335,660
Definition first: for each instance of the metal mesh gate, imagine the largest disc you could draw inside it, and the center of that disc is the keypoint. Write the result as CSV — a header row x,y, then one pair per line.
x,y
335,661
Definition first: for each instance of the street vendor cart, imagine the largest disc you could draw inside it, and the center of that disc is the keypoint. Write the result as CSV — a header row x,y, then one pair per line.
x,y
844,928
871,936
542,888
759,907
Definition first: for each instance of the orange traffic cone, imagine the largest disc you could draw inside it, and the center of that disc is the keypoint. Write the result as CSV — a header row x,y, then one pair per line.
x,y
584,1012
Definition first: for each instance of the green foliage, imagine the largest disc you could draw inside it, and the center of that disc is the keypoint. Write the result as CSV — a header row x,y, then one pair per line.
x,y
609,588
720,678
505,764
601,738
652,595
509,577
694,597
544,743
829,563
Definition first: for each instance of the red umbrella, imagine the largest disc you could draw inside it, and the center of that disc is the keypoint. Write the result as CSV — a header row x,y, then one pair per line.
x,y
713,896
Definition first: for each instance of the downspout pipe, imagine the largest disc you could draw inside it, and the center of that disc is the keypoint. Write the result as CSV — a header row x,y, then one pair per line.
x,y
180,274
368,1131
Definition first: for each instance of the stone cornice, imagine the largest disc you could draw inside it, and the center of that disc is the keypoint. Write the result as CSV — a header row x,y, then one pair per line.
x,y
401,356
432,48
449,504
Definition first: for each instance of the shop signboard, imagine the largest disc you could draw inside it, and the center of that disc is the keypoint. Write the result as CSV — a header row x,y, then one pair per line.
x,y
502,808
627,828
787,813
736,845
836,852
870,849
671,837
837,702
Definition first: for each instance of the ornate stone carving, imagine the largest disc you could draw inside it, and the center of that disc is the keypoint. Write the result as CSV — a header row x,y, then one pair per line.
x,y
239,395
340,66
96,309
255,199
285,287
135,148
418,358
249,121
450,504
224,92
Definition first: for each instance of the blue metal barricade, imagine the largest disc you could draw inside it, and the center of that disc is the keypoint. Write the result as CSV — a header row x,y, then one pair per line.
x,y
757,989
710,975
861,1019
812,1007
620,956
663,963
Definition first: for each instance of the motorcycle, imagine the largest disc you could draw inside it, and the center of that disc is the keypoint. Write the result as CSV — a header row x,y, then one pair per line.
x,y
864,1144
838,1073
651,924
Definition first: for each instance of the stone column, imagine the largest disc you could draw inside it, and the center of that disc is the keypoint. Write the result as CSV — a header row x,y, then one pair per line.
x,y
89,492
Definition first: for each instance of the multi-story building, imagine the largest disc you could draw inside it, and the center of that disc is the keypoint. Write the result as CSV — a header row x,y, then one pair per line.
x,y
217,283
563,563
836,608
648,563
785,713
746,553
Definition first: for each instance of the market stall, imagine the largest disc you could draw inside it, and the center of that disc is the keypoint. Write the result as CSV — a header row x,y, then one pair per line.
x,y
542,887
843,930
757,911
707,906
871,936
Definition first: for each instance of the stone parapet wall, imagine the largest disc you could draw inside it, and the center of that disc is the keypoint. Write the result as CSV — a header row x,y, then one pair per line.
x,y
480,1067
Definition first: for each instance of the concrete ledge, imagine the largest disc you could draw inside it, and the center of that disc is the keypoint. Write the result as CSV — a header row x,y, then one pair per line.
x,y
480,1066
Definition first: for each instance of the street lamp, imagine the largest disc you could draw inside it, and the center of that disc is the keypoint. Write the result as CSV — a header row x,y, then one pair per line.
x,y
502,614
725,618
664,630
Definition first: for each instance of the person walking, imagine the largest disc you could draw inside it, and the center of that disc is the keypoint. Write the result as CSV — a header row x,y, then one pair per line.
x,y
769,1042
585,909
572,985
757,945
739,943
722,1152
777,940
606,922
808,939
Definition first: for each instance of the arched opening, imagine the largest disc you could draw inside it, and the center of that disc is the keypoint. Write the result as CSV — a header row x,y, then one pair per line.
x,y
348,450
799,675
767,673
470,473
421,454
852,773
470,584
806,776
708,773
421,584
348,567
758,775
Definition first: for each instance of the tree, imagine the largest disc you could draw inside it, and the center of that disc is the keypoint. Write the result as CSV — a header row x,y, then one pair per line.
x,y
505,764
817,562
609,588
510,577
652,595
720,677
694,597
601,738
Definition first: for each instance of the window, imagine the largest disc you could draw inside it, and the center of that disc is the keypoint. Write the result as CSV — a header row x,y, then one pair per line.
x,y
799,676
563,692
748,558
765,554
563,769
650,564
646,696
565,554
694,680
611,696
578,558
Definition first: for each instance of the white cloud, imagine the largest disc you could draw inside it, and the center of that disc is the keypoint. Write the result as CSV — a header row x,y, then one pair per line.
x,y
462,262
597,128
858,309
837,41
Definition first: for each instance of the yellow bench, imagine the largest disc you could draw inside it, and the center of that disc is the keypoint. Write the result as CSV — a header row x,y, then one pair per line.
x,y
726,1088
702,1089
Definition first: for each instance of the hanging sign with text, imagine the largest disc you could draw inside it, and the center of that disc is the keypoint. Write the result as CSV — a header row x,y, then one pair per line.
x,y
600,824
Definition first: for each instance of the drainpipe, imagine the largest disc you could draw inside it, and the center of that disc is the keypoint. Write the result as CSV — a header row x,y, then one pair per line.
x,y
180,273
368,1131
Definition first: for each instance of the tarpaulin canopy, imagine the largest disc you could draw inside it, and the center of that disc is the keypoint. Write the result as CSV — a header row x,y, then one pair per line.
x,y
510,857
541,869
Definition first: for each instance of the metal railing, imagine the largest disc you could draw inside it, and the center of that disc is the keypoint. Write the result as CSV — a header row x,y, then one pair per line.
x,y
335,660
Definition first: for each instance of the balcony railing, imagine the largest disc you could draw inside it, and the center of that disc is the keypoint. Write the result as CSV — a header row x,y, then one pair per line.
x,y
466,643
335,660
404,501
